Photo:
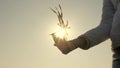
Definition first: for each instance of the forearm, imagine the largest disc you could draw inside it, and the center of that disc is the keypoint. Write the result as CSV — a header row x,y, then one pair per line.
x,y
98,34
102,32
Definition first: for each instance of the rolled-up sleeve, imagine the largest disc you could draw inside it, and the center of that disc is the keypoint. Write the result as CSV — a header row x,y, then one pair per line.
x,y
102,31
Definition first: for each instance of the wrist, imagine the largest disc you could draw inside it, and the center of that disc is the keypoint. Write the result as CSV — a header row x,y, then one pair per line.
x,y
81,42
67,47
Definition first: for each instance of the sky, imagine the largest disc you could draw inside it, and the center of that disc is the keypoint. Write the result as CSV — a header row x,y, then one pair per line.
x,y
25,42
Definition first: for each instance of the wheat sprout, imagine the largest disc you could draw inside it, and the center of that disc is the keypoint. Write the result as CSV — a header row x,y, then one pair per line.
x,y
61,24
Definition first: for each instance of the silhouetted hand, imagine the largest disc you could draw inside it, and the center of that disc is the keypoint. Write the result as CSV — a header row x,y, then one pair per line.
x,y
64,46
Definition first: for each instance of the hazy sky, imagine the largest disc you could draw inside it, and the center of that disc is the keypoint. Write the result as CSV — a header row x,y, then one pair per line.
x,y
25,42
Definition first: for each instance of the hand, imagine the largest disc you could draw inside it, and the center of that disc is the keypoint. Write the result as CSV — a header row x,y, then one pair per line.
x,y
64,46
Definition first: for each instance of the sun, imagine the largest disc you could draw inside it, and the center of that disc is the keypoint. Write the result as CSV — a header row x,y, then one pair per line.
x,y
60,33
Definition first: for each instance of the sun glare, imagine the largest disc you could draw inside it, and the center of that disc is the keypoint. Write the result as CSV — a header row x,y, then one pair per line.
x,y
60,33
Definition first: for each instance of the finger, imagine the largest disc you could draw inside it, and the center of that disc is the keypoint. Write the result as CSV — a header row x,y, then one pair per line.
x,y
55,44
